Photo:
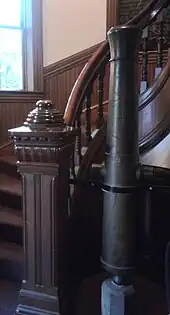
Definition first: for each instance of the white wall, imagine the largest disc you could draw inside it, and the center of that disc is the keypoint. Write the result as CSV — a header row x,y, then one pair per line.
x,y
71,26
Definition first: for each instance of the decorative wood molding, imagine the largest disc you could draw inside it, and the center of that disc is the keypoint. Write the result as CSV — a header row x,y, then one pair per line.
x,y
43,154
14,107
112,18
20,97
69,62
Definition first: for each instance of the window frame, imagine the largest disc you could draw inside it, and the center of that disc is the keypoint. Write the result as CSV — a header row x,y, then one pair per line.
x,y
37,44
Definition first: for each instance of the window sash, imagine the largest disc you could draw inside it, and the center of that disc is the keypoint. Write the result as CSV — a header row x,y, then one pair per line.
x,y
32,44
19,27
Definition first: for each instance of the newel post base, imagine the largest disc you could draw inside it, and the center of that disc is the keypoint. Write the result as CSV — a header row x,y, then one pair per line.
x,y
43,148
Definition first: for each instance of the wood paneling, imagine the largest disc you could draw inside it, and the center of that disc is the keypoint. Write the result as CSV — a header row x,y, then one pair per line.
x,y
14,107
130,8
59,78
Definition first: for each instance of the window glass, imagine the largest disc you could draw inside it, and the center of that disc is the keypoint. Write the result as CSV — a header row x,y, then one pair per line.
x,y
10,13
11,73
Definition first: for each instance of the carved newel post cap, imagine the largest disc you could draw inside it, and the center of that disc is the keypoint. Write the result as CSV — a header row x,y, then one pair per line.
x,y
44,116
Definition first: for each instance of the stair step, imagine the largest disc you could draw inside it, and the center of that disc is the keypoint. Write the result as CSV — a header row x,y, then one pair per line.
x,y
11,261
10,159
8,166
10,185
10,216
10,251
10,191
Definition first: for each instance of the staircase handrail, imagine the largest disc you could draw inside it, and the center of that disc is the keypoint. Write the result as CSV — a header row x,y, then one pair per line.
x,y
146,16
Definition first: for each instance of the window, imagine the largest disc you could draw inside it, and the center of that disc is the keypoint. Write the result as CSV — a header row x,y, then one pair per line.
x,y
19,45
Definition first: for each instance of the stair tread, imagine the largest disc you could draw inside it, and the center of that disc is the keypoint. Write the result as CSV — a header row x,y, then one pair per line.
x,y
10,159
10,251
10,216
10,184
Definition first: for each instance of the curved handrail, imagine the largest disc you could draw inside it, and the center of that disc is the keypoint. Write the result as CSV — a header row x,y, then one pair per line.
x,y
145,17
160,128
148,95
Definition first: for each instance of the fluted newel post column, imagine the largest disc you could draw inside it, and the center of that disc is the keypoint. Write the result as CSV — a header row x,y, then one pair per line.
x,y
122,171
43,148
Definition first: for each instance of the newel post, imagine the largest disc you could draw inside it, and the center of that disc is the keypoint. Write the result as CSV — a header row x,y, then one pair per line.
x,y
119,248
43,146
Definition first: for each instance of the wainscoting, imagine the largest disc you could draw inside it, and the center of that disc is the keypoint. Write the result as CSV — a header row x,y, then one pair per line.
x,y
59,78
14,107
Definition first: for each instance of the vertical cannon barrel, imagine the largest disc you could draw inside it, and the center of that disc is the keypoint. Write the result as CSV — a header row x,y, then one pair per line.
x,y
122,156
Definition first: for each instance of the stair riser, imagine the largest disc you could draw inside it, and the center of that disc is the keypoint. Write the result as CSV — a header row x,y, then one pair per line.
x,y
11,234
11,270
10,200
9,169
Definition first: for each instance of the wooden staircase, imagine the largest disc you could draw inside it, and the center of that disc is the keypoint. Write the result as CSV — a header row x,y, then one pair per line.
x,y
11,223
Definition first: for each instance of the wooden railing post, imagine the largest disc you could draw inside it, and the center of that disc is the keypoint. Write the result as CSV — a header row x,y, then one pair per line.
x,y
43,148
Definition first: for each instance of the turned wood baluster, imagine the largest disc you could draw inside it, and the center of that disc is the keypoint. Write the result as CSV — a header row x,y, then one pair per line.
x,y
73,158
79,142
100,118
88,114
144,81
159,45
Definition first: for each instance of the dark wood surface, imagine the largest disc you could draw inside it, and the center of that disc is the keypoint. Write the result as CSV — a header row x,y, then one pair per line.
x,y
9,293
14,107
59,78
43,149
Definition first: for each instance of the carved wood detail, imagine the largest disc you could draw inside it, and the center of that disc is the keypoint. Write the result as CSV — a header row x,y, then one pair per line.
x,y
14,107
43,155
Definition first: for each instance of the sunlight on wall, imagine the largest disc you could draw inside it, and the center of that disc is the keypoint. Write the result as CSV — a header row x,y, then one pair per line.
x,y
71,26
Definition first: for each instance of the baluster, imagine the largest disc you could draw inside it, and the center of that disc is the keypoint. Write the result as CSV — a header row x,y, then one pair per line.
x,y
77,154
159,63
144,81
73,158
79,142
88,114
100,118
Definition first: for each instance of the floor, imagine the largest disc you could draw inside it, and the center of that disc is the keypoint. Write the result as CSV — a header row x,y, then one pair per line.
x,y
8,297
150,298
